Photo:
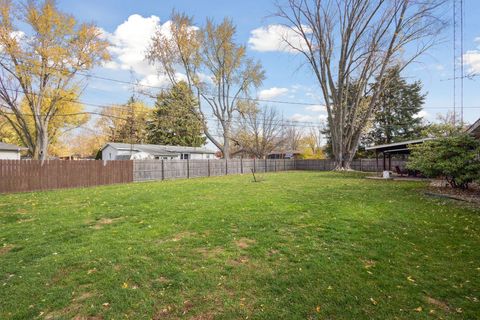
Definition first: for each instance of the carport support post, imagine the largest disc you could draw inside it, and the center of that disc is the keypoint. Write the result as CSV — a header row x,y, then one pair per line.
x,y
163,170
376,158
390,162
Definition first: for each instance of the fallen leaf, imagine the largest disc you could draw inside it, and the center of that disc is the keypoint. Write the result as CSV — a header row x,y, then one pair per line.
x,y
317,309
125,285
374,302
419,309
409,278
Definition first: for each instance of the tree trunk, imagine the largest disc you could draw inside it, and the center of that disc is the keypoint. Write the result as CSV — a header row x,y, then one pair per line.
x,y
42,145
226,145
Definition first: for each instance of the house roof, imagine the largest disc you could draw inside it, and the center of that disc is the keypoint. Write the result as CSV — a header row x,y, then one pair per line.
x,y
397,146
10,147
158,150
474,129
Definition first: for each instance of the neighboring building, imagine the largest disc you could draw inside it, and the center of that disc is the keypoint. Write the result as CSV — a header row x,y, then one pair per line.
x,y
126,151
289,154
474,129
10,151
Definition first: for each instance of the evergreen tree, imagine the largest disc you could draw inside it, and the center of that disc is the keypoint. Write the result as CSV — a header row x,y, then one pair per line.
x,y
175,119
396,118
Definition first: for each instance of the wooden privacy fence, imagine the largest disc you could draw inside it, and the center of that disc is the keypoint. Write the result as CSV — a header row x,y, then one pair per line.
x,y
148,170
31,175
366,165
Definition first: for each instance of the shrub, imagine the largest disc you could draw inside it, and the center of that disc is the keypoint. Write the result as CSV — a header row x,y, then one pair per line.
x,y
456,158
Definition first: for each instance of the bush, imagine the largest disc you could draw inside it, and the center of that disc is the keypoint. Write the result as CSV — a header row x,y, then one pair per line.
x,y
456,158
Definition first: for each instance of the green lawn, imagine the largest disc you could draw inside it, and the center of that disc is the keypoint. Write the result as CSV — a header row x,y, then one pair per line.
x,y
298,245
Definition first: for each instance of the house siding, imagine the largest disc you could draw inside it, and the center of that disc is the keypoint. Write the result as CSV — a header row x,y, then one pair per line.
x,y
9,155
111,153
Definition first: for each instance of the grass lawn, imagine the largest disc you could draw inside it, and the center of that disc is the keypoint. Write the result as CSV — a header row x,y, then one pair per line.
x,y
298,245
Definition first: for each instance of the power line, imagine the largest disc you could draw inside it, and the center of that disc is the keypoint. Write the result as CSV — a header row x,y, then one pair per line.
x,y
87,75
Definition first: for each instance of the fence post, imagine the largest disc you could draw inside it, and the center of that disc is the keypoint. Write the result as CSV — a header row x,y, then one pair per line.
x,y
294,163
226,166
254,167
275,164
188,168
208,167
284,165
163,170
361,164
241,165
266,165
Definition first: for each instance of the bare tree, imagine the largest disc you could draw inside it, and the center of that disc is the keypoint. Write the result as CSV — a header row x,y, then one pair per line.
x,y
347,44
259,131
292,137
213,64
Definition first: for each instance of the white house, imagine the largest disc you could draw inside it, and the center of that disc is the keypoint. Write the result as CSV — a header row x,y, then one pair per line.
x,y
126,151
10,151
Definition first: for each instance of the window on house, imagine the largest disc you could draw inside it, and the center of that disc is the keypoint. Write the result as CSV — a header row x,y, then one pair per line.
x,y
184,156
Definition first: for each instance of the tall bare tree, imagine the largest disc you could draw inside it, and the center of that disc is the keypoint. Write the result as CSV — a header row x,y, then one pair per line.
x,y
292,137
216,68
38,67
259,131
348,42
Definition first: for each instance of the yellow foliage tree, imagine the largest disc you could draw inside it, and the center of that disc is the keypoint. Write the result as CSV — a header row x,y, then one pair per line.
x,y
39,67
125,123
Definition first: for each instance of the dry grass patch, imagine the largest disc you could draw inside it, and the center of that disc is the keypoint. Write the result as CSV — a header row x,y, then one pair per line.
x,y
210,252
242,260
244,243
6,249
368,263
439,304
99,224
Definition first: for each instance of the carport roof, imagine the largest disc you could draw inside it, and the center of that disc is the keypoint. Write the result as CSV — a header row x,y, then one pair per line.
x,y
397,147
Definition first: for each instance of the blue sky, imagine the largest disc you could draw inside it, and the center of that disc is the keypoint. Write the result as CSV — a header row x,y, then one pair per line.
x,y
129,24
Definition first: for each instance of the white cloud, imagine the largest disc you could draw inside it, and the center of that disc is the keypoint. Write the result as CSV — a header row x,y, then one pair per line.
x,y
129,43
308,118
155,80
316,108
472,60
274,37
421,114
272,93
